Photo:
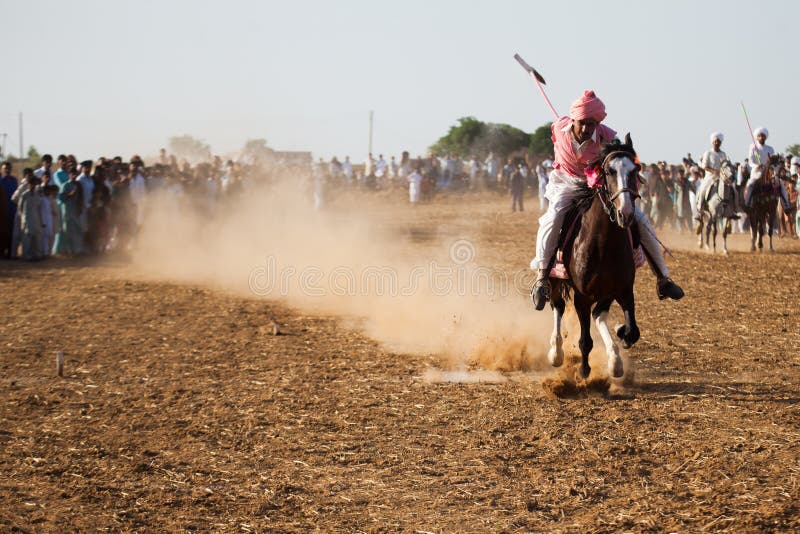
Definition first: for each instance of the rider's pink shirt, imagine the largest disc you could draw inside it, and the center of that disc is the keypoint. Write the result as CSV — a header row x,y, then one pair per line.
x,y
571,157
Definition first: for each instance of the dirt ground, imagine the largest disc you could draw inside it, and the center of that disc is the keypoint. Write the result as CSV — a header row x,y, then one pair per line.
x,y
179,410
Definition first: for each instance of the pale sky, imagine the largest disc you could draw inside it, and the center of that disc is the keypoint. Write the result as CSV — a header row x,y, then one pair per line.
x,y
112,77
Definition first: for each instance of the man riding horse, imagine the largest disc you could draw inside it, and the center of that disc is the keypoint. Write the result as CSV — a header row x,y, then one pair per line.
x,y
711,162
762,155
577,141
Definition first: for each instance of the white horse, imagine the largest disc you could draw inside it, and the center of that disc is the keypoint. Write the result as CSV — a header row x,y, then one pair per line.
x,y
721,196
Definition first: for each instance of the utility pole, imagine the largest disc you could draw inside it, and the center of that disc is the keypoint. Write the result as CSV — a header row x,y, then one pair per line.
x,y
21,144
371,117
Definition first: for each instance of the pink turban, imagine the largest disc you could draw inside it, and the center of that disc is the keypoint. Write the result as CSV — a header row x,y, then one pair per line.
x,y
588,107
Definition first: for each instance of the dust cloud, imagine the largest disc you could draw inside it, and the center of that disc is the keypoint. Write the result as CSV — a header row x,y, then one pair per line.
x,y
428,298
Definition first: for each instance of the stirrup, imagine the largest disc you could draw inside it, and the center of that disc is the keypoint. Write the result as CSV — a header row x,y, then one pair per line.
x,y
540,292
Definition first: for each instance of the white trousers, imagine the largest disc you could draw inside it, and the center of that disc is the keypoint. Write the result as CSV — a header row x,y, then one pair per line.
x,y
562,190
702,189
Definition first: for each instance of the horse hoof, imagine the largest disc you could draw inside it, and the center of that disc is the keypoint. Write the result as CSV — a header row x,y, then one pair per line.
x,y
585,370
620,328
617,367
625,344
555,357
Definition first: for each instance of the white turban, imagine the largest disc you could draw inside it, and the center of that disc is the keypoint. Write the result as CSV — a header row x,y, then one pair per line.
x,y
796,161
761,130
717,135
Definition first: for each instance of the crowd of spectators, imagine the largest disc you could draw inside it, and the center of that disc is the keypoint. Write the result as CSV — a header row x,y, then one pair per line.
x,y
68,207
668,192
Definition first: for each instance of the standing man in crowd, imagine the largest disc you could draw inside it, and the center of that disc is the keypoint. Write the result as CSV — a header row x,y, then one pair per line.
x,y
9,185
683,204
414,186
347,170
87,188
61,176
5,226
543,172
491,169
28,201
138,190
517,186
44,168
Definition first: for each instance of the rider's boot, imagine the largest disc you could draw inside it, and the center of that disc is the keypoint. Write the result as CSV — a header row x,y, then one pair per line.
x,y
540,292
665,287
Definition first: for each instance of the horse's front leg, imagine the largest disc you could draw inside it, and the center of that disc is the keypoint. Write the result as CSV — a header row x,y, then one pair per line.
x,y
761,225
700,229
600,314
716,231
771,228
629,332
727,229
556,353
583,308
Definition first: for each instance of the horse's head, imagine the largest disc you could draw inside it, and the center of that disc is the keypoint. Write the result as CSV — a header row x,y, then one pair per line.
x,y
727,172
620,171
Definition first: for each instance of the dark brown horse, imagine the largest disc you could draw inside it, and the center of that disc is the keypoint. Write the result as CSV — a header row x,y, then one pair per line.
x,y
763,209
599,259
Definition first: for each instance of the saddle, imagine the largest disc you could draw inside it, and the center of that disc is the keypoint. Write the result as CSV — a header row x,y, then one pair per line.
x,y
566,238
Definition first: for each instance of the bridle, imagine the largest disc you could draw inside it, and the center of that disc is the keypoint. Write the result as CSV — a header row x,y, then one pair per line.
x,y
607,199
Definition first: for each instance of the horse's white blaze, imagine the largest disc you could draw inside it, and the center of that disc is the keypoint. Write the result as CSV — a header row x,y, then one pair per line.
x,y
615,365
624,167
556,352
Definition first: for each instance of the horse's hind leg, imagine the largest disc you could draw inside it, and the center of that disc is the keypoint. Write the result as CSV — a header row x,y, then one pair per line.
x,y
556,353
583,308
600,315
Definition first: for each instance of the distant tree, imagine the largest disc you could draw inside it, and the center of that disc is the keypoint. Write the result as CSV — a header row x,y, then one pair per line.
x,y
794,150
189,148
541,144
461,138
257,151
473,137
33,155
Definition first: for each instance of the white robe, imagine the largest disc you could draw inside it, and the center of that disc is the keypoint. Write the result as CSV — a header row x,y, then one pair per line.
x,y
414,187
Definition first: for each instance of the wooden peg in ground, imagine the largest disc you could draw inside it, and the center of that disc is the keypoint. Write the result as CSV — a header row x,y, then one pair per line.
x,y
60,363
